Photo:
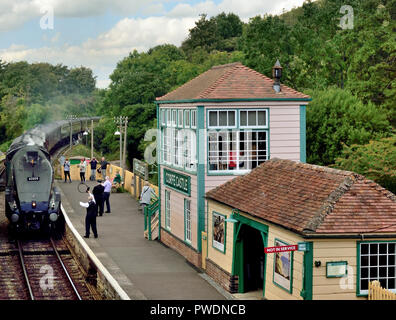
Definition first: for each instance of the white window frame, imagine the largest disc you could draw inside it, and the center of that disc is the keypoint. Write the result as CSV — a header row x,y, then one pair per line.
x,y
217,126
174,118
167,209
193,117
377,266
180,117
219,160
187,221
247,126
187,116
163,117
169,117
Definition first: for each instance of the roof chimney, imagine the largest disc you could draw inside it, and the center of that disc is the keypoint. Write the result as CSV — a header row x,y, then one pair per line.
x,y
277,74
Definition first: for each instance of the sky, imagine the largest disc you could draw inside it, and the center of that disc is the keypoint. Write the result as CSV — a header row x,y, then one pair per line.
x,y
99,33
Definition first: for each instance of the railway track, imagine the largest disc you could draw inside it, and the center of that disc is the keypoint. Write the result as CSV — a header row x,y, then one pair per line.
x,y
41,270
52,273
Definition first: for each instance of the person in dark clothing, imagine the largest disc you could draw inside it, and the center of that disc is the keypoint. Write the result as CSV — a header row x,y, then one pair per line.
x,y
93,164
90,219
103,168
98,195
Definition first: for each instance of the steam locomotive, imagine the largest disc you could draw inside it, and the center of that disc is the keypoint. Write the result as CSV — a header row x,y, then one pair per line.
x,y
32,203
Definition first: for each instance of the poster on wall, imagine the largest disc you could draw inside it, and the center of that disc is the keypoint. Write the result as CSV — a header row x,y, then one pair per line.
x,y
218,231
282,268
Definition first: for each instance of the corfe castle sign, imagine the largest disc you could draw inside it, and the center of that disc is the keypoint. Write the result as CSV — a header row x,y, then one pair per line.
x,y
177,181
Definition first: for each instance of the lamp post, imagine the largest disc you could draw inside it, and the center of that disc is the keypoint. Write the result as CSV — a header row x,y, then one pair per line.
x,y
120,121
125,143
71,117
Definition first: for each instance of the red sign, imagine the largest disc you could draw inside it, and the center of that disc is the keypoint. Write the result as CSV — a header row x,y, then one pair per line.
x,y
293,247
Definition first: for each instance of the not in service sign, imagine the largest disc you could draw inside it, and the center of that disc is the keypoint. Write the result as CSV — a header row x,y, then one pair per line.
x,y
177,181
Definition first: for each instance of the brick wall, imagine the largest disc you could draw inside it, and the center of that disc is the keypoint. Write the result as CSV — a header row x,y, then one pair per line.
x,y
222,277
179,246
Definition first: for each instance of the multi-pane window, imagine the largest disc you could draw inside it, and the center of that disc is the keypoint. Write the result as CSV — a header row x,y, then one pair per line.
x,y
193,119
377,262
174,118
237,143
167,209
236,150
223,148
222,118
162,117
179,148
166,145
180,119
187,220
187,118
253,118
176,143
169,117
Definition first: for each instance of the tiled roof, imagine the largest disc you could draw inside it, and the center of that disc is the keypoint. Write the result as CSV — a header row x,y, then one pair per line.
x,y
231,81
311,199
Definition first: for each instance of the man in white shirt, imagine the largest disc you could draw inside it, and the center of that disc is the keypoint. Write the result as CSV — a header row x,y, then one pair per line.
x,y
90,218
106,194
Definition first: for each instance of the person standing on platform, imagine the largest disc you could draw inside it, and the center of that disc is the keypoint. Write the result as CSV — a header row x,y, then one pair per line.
x,y
90,218
103,168
98,195
106,194
93,164
145,196
66,170
83,166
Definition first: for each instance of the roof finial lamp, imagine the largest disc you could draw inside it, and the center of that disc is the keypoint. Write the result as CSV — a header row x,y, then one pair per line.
x,y
277,74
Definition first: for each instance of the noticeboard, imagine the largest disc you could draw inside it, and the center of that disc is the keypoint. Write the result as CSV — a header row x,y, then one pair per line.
x,y
140,168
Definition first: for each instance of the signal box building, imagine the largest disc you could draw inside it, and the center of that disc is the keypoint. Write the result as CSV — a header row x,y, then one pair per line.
x,y
337,228
222,124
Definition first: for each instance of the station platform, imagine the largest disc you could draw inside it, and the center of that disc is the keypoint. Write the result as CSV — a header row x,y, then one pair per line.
x,y
146,270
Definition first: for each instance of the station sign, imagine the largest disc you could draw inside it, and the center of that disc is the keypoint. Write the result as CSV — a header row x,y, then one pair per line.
x,y
177,181
140,168
293,247
301,246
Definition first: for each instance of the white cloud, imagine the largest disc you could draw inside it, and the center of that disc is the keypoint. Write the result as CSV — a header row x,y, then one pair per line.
x,y
102,53
244,9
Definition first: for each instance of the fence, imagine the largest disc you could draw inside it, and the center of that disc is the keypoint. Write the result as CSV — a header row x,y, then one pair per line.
x,y
130,182
378,293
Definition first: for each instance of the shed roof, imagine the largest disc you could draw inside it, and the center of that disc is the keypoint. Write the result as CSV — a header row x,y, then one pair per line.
x,y
231,81
311,199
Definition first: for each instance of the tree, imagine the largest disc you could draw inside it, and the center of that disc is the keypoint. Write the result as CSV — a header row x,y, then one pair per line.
x,y
375,160
335,117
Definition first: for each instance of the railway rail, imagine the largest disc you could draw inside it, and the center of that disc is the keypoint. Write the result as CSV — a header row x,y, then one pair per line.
x,y
41,270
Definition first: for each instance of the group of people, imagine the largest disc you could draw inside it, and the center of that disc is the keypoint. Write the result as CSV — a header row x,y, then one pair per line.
x,y
100,167
95,205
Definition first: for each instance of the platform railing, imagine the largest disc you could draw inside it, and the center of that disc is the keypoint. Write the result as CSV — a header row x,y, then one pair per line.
x,y
151,218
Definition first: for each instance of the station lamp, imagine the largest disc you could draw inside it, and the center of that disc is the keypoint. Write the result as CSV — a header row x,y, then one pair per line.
x,y
231,218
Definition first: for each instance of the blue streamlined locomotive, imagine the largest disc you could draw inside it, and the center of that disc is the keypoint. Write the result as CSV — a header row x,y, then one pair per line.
x,y
32,201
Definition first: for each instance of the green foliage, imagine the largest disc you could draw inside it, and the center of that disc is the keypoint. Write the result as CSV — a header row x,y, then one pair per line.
x,y
335,117
217,33
36,93
375,160
141,118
